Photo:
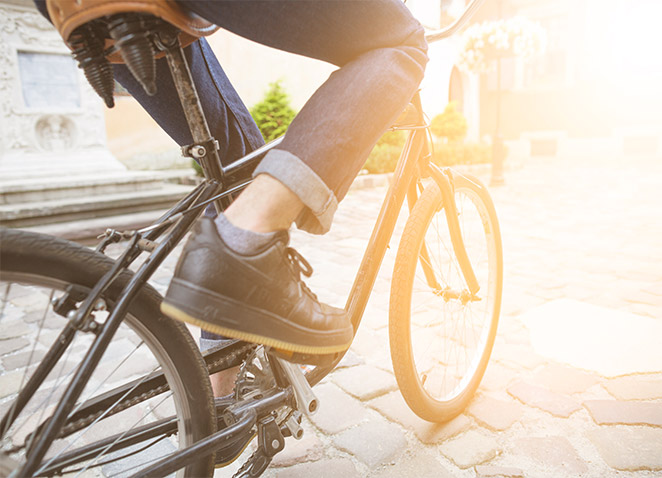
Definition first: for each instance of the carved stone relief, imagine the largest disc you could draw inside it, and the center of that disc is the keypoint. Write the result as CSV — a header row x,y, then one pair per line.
x,y
55,133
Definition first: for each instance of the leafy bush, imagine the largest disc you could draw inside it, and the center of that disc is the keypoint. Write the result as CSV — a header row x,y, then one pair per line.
x,y
386,153
197,168
273,114
451,124
450,154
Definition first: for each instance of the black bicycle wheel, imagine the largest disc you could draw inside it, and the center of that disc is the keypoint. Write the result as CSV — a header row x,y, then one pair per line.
x,y
441,337
35,269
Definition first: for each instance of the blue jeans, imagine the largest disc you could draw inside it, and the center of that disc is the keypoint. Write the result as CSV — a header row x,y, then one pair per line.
x,y
380,50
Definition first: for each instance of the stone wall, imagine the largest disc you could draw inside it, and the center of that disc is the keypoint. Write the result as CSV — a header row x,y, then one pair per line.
x,y
51,121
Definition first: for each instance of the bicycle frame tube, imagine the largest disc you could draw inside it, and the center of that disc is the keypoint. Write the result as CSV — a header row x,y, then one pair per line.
x,y
404,177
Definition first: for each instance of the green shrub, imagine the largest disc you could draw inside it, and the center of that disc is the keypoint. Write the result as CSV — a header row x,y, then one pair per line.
x,y
450,154
273,114
386,153
197,168
451,124
382,159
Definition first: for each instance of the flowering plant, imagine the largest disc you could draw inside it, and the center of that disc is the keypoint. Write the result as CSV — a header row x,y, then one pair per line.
x,y
489,40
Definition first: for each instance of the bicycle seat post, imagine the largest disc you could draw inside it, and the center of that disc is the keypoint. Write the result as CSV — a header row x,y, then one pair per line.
x,y
204,148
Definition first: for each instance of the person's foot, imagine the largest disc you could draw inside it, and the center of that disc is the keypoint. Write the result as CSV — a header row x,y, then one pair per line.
x,y
258,298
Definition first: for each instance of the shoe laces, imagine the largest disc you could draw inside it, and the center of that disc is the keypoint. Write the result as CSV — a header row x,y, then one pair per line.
x,y
300,266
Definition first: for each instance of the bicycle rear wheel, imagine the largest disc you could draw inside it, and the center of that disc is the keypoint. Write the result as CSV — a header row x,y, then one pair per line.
x,y
34,269
441,337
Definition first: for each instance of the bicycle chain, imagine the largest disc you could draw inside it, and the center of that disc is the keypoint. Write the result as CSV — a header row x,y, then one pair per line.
x,y
252,467
82,422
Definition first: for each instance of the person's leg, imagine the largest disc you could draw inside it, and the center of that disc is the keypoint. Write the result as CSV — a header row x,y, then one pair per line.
x,y
382,53
230,123
257,295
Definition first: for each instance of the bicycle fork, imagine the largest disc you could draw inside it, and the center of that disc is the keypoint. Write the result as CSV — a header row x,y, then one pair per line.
x,y
441,178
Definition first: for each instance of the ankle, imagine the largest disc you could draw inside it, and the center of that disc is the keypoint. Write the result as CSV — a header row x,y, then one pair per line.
x,y
266,205
240,240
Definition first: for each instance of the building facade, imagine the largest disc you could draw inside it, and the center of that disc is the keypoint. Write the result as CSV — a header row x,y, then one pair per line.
x,y
595,90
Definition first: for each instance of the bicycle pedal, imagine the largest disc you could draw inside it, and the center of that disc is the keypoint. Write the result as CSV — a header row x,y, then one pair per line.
x,y
307,402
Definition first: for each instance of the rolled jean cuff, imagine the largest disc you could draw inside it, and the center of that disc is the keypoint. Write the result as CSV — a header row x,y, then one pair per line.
x,y
320,202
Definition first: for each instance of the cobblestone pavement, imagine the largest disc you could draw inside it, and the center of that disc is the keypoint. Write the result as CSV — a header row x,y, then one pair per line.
x,y
574,386
582,251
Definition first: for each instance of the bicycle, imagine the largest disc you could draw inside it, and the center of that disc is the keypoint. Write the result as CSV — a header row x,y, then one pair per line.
x,y
96,306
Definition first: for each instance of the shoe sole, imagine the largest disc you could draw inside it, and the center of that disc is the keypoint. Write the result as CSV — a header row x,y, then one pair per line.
x,y
180,309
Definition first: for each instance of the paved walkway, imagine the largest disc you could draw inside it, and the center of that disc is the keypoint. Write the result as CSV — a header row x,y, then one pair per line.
x,y
574,387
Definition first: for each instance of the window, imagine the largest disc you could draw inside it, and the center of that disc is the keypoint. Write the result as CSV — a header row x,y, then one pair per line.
x,y
49,81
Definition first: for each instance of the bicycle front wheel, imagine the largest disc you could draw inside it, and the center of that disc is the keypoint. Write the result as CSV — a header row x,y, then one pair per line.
x,y
441,335
122,422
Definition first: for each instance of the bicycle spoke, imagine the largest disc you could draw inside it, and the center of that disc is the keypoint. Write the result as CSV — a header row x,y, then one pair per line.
x,y
102,382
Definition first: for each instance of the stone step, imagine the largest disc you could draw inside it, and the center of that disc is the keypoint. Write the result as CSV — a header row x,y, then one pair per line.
x,y
39,189
85,207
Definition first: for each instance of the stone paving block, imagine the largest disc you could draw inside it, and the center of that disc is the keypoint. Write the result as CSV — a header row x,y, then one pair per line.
x,y
375,442
495,414
554,403
564,379
394,407
9,383
552,452
350,359
34,300
629,448
612,412
331,468
470,449
337,409
16,328
365,381
605,340
309,448
420,465
497,377
494,471
636,387
431,433
518,355
12,345
22,359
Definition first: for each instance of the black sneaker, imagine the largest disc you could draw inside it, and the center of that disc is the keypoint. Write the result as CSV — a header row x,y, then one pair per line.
x,y
258,298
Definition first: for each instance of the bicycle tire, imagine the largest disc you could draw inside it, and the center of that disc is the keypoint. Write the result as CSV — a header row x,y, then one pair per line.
x,y
29,260
426,357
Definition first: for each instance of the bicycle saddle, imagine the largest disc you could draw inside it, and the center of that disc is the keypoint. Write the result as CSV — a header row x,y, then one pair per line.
x,y
121,31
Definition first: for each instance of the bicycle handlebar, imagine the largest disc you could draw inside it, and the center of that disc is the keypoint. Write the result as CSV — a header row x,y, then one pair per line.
x,y
456,25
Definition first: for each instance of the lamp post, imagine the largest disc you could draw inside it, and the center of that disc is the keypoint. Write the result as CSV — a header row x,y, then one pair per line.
x,y
498,150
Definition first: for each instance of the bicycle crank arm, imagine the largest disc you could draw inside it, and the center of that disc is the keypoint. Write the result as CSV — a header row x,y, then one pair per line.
x,y
306,399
